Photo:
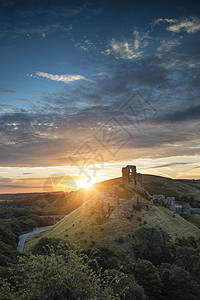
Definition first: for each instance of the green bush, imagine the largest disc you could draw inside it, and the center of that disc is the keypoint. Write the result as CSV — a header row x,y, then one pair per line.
x,y
152,244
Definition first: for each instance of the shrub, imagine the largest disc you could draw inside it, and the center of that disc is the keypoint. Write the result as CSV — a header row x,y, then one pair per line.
x,y
120,240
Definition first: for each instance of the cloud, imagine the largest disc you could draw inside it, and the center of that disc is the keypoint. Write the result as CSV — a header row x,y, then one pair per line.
x,y
168,45
64,78
187,114
190,25
171,165
100,74
123,49
7,91
3,180
85,45
19,186
164,20
29,30
128,49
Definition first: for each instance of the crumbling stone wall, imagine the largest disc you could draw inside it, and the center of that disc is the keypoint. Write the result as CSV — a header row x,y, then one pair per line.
x,y
169,203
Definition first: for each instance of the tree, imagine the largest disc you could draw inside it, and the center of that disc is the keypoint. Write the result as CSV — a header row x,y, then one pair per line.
x,y
187,256
45,245
62,277
110,258
148,277
178,283
152,244
5,291
125,285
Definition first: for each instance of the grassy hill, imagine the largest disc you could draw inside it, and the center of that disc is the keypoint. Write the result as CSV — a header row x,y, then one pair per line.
x,y
85,227
183,190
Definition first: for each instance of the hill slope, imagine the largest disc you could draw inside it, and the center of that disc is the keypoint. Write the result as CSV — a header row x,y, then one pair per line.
x,y
85,227
179,188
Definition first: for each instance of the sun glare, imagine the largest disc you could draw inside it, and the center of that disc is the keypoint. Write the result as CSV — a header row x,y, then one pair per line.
x,y
85,184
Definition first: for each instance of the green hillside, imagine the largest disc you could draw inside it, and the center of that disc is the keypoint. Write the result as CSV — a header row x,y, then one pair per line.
x,y
85,227
183,190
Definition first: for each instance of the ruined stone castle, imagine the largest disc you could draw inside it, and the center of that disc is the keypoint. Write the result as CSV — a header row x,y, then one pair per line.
x,y
112,206
133,179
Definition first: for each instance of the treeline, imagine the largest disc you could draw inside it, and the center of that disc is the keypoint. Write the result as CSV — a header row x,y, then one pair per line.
x,y
42,204
21,214
156,268
14,221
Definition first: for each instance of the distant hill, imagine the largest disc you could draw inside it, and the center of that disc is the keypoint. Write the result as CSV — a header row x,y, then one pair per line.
x,y
85,227
182,189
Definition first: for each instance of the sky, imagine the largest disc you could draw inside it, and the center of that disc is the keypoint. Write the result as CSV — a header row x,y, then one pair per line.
x,y
87,87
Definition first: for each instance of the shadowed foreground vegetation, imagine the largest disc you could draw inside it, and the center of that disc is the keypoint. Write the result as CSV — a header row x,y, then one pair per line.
x,y
157,268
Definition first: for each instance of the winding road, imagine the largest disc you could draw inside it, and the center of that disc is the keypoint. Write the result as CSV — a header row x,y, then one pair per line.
x,y
23,237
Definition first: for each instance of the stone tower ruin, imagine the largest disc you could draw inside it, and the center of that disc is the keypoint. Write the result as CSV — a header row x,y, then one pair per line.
x,y
132,178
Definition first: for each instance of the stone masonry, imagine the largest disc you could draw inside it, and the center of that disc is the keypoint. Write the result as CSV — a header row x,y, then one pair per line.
x,y
133,179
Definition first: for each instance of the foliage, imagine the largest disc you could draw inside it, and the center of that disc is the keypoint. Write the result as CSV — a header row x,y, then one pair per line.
x,y
178,283
110,258
125,285
187,256
147,276
5,290
7,236
56,270
45,245
152,244
59,277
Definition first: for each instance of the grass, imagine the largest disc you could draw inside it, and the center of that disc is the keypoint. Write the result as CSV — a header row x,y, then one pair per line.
x,y
173,187
87,218
193,219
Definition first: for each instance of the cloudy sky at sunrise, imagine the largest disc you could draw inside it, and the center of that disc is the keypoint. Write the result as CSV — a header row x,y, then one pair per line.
x,y
87,87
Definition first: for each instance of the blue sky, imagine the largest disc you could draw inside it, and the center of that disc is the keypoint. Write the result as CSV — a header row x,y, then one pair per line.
x,y
76,73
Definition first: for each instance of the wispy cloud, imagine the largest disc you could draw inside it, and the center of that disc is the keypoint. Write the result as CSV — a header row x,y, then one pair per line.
x,y
7,91
128,49
164,20
64,78
167,45
123,49
171,165
190,25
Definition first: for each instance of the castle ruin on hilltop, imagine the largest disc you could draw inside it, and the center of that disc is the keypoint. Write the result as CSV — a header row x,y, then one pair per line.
x,y
133,179
114,204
